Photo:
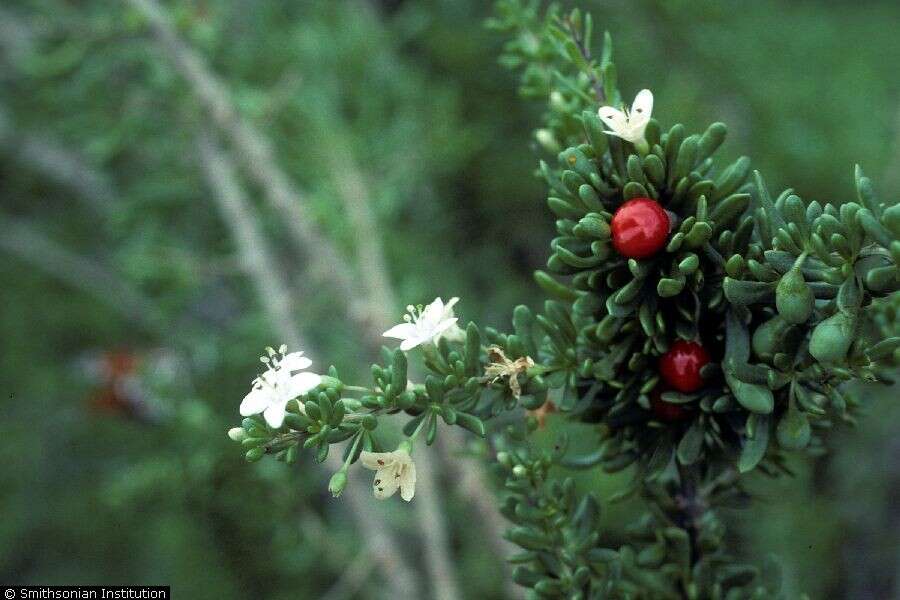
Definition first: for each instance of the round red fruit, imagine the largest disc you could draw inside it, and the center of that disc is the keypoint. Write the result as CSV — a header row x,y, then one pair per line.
x,y
680,366
666,411
639,228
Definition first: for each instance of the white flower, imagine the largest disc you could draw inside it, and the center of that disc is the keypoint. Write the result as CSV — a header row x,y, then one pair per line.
x,y
393,470
454,333
629,125
279,385
424,325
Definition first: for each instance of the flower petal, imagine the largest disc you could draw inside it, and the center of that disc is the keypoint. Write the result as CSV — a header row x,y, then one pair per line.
x,y
295,361
401,331
300,384
386,483
641,110
275,414
255,402
410,343
442,326
454,334
448,308
615,119
432,314
408,481
376,460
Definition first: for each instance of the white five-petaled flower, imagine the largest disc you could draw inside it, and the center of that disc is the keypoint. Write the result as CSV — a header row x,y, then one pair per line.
x,y
278,385
629,125
424,325
393,470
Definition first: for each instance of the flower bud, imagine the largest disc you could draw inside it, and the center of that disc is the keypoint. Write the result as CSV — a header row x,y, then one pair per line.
x,y
557,102
547,140
831,339
793,297
337,483
237,434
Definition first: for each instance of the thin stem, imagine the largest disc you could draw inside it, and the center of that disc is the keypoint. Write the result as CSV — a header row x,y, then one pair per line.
x,y
242,219
586,54
425,419
20,238
691,507
350,456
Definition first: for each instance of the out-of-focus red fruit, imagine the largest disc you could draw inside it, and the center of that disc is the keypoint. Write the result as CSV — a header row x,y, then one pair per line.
x,y
108,400
639,228
666,411
119,364
680,366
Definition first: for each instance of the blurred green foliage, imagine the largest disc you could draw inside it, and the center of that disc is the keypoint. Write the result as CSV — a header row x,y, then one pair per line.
x,y
411,93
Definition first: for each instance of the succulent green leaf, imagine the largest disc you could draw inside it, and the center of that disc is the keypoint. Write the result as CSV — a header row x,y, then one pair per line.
x,y
754,448
691,444
794,298
793,430
754,397
831,338
554,288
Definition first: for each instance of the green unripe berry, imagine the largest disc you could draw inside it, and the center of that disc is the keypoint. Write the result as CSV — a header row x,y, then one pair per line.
x,y
831,339
793,297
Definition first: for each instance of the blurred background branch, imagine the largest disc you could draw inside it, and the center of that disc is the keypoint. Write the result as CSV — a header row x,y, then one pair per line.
x,y
31,246
274,295
58,164
253,149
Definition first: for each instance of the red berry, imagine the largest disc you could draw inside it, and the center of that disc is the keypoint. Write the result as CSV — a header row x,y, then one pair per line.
x,y
680,366
639,228
666,411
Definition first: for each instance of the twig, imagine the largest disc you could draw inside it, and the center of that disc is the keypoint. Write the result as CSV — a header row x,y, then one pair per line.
x,y
328,263
16,36
352,579
21,239
474,486
259,261
59,164
691,506
431,520
254,151
376,281
354,195
239,216
586,54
